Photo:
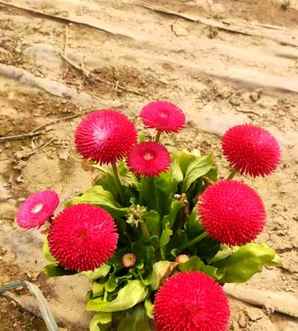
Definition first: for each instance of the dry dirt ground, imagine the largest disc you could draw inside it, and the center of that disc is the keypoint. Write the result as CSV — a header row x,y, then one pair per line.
x,y
224,62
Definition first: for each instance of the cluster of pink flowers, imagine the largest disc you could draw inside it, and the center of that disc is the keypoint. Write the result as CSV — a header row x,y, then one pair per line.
x,y
83,237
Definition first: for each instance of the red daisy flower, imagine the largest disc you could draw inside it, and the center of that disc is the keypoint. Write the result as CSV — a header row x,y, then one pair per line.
x,y
37,209
83,237
148,159
232,212
105,136
191,301
251,150
163,116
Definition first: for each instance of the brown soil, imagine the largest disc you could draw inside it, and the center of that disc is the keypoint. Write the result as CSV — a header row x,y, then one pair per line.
x,y
240,66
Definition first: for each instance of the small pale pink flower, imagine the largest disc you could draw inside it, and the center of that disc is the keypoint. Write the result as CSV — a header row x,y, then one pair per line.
x,y
37,209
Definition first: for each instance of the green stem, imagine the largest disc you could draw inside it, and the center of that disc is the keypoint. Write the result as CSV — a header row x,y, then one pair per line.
x,y
118,181
232,174
144,229
157,137
193,241
151,200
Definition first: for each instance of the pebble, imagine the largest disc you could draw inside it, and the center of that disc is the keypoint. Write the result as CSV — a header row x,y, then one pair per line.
x,y
255,314
242,320
235,101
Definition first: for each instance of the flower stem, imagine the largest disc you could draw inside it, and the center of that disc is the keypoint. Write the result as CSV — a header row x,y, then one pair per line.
x,y
118,181
232,174
145,230
157,137
193,241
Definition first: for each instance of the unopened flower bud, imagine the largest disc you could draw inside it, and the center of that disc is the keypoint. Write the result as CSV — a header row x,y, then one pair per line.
x,y
182,258
129,260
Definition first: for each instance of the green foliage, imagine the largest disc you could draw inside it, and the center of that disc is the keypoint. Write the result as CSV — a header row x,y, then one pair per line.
x,y
148,305
134,320
100,322
97,195
165,238
197,169
182,160
54,270
246,261
100,272
129,296
157,220
152,220
196,264
160,271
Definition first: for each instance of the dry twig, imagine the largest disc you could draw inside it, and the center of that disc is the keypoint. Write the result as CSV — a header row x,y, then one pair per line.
x,y
19,136
91,76
37,131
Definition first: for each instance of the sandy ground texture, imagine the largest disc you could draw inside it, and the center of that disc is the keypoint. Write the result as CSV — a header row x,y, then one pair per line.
x,y
224,62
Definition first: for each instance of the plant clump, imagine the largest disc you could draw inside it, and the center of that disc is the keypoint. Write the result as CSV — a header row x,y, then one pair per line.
x,y
161,230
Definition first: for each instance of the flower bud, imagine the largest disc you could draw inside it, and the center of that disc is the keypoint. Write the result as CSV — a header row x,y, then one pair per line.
x,y
129,260
182,258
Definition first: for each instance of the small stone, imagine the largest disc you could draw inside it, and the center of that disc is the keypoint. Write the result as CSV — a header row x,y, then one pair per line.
x,y
235,101
255,314
255,96
242,320
63,154
179,29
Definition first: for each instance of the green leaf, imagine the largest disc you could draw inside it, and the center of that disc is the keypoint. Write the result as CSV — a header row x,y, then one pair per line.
x,y
196,169
160,271
107,180
148,305
127,177
111,284
192,224
207,248
165,188
166,234
152,220
97,195
177,171
246,261
54,270
184,158
47,254
129,296
147,192
99,320
135,320
224,252
100,272
176,206
196,264
97,289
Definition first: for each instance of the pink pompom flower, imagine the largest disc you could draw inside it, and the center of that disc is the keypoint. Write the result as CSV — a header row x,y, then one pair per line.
x,y
251,150
37,209
83,237
149,159
191,301
163,116
105,136
232,212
